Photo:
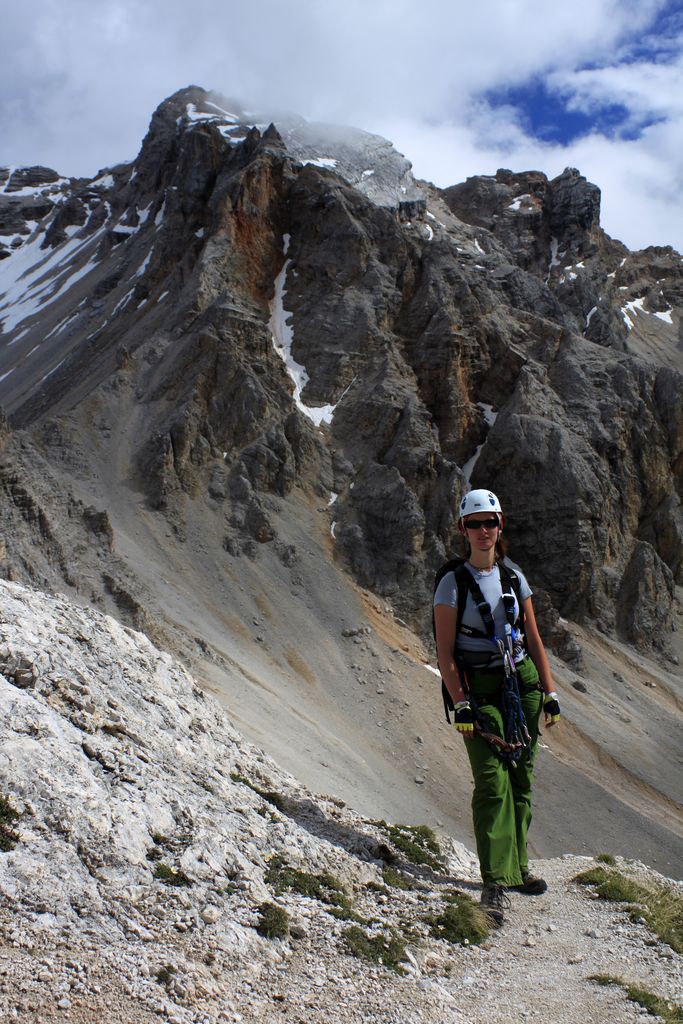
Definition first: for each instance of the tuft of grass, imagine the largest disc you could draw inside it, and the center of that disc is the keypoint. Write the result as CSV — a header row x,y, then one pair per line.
x,y
229,890
396,879
273,922
417,843
276,799
659,907
613,885
165,973
655,1005
388,948
323,887
605,979
606,858
377,887
171,876
347,913
593,876
8,836
463,922
664,916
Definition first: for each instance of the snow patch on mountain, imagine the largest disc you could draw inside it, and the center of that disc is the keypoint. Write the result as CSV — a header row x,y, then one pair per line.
x,y
282,334
489,418
27,277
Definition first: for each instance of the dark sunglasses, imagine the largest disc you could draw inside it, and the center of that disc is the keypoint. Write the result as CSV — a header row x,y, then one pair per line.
x,y
476,524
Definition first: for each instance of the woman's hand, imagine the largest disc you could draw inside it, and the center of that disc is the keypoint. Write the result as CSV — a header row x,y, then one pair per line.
x,y
551,709
463,719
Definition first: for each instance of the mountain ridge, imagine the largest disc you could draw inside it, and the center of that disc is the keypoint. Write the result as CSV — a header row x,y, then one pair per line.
x,y
165,471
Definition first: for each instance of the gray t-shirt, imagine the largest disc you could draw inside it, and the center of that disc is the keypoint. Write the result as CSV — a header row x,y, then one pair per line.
x,y
492,592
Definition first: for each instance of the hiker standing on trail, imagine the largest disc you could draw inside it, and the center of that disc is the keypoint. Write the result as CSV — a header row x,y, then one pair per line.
x,y
497,679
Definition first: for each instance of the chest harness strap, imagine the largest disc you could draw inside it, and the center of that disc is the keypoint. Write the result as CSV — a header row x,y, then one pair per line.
x,y
517,740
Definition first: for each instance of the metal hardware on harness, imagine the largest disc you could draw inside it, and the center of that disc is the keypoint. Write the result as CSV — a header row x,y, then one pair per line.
x,y
517,739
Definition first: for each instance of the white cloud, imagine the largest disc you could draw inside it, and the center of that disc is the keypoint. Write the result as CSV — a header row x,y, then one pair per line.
x,y
646,89
79,81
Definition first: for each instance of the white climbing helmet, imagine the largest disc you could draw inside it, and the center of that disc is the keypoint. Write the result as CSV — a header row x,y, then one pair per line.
x,y
479,501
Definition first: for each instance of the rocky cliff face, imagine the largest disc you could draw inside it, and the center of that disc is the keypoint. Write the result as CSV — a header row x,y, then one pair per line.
x,y
248,375
491,333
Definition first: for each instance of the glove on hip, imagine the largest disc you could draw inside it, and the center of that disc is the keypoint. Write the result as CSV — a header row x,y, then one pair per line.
x,y
463,719
551,706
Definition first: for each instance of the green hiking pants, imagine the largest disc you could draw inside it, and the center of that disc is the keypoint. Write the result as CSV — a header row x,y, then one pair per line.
x,y
501,801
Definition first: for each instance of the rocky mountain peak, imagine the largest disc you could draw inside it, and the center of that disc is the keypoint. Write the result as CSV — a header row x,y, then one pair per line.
x,y
27,196
531,215
16,179
194,101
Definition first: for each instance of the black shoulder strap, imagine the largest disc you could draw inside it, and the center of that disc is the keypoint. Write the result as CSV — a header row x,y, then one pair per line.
x,y
509,578
450,566
510,584
483,607
455,565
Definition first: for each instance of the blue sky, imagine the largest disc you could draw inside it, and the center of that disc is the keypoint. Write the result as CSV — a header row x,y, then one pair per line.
x,y
553,109
545,114
460,88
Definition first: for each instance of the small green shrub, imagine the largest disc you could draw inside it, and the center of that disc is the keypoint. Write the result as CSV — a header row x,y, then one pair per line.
x,y
463,922
386,949
659,907
606,858
620,889
236,777
273,922
165,973
664,916
613,885
396,879
323,887
346,913
593,876
655,1005
417,843
8,836
171,876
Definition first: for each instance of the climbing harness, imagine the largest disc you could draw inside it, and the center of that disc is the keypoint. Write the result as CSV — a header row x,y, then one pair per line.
x,y
517,741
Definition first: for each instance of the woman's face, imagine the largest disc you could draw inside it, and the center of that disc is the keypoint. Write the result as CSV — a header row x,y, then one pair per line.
x,y
481,530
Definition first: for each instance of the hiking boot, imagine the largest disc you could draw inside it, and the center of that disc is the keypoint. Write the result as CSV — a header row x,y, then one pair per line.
x,y
531,886
495,902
